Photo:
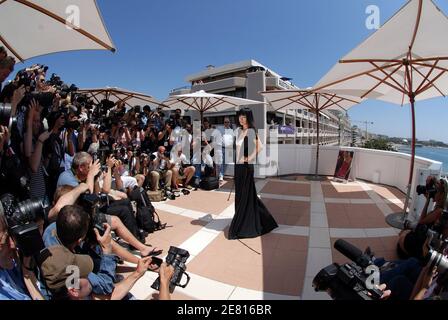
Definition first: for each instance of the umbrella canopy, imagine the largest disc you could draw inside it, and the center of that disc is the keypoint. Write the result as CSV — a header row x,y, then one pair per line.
x,y
31,28
406,55
310,99
313,100
405,61
130,98
206,102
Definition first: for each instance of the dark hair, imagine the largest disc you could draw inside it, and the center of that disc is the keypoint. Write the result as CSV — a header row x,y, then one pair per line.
x,y
246,112
52,118
72,224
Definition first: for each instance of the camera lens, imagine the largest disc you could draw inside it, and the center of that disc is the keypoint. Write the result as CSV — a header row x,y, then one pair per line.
x,y
5,115
31,210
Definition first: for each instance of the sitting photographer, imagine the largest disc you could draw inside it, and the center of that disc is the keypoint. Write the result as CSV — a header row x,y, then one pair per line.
x,y
182,170
122,219
54,268
67,195
160,163
17,282
74,232
74,229
410,243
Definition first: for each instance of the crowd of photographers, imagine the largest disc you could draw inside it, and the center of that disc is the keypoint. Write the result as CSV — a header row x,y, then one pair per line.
x,y
74,181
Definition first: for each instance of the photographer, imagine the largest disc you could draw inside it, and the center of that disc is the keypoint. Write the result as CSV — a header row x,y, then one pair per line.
x,y
72,231
61,257
182,169
161,164
35,139
410,243
84,170
67,195
166,138
56,147
17,282
6,67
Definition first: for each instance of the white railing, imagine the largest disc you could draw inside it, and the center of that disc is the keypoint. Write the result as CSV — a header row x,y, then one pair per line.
x,y
390,168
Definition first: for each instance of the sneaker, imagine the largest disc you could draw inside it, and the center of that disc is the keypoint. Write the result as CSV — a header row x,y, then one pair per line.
x,y
221,178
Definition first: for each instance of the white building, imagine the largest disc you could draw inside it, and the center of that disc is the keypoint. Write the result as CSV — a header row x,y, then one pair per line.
x,y
246,79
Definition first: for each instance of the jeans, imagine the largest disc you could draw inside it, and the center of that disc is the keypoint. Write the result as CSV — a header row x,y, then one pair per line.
x,y
198,168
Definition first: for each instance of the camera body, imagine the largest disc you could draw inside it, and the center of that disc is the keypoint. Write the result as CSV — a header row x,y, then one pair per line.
x,y
177,258
347,281
95,205
429,188
21,220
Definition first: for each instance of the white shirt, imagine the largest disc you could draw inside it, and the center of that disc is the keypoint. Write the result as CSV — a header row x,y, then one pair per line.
x,y
179,160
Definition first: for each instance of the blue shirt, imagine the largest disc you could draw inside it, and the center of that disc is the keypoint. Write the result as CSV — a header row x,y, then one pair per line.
x,y
67,178
12,286
102,281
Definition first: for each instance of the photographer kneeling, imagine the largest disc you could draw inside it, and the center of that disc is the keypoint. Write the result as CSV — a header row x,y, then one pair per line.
x,y
410,243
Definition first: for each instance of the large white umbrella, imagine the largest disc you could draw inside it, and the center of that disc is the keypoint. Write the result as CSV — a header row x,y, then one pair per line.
x,y
405,61
130,98
31,28
202,102
313,100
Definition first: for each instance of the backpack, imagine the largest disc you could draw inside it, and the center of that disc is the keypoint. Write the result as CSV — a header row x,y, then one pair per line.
x,y
147,217
209,183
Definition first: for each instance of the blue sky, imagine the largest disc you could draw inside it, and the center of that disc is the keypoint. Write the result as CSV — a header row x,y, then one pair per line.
x,y
160,42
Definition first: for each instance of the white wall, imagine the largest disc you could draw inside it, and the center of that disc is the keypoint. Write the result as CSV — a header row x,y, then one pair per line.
x,y
392,167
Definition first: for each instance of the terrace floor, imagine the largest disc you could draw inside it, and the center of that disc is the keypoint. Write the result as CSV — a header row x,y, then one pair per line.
x,y
282,264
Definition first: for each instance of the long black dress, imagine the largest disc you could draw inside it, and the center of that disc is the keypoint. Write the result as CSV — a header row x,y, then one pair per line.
x,y
252,219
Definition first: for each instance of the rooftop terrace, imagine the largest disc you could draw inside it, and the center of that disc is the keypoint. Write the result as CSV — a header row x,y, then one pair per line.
x,y
282,264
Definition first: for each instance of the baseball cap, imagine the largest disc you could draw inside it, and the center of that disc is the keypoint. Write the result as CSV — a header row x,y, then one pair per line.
x,y
54,262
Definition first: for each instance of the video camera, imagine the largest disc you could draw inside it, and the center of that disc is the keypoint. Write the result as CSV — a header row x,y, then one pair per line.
x,y
178,259
347,281
21,220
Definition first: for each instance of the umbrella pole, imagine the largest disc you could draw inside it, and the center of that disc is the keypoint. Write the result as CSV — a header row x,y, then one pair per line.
x,y
316,176
318,143
398,220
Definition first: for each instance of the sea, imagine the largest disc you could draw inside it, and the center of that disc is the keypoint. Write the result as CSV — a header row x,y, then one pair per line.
x,y
437,154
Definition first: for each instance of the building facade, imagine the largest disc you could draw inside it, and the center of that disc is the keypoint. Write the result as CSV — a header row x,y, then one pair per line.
x,y
246,79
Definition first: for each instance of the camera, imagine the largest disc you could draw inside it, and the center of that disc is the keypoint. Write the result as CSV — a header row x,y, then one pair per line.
x,y
21,219
429,188
177,258
347,281
95,205
5,116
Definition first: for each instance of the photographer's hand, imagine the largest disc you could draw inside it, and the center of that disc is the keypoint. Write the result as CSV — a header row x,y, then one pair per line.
x,y
143,266
4,137
105,241
166,272
17,96
32,112
111,162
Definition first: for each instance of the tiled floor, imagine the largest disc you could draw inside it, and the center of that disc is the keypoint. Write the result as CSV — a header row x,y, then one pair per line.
x,y
282,264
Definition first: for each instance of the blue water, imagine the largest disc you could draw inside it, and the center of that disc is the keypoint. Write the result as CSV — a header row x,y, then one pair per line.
x,y
437,154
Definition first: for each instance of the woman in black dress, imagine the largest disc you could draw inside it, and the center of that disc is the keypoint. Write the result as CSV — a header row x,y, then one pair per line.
x,y
252,219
